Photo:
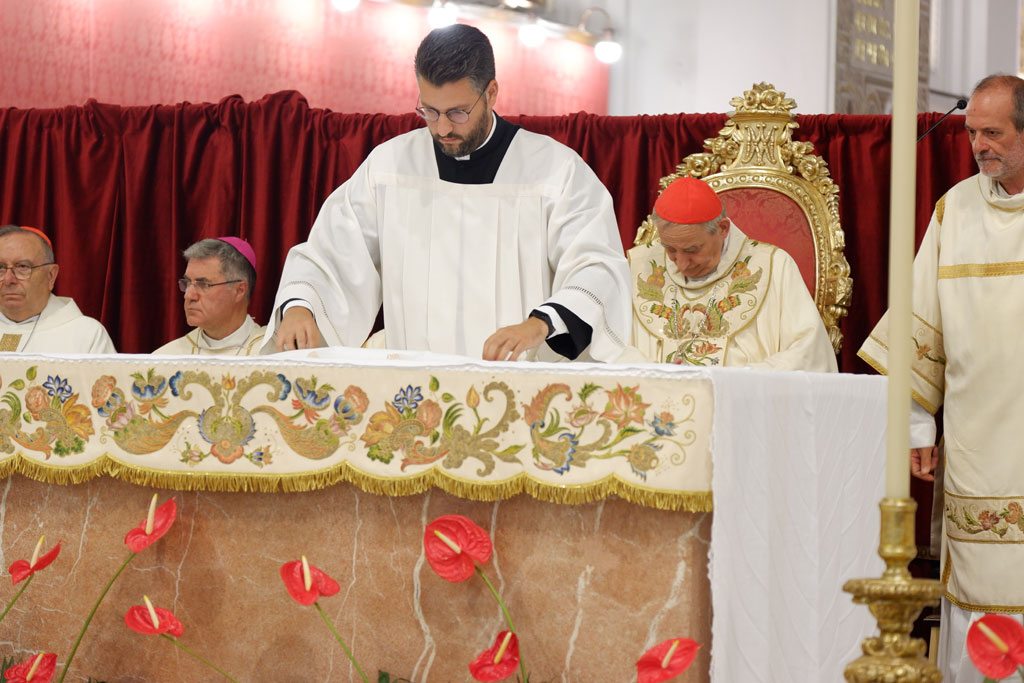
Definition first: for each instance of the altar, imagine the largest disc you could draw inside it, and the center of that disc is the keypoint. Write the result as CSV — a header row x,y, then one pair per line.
x,y
595,483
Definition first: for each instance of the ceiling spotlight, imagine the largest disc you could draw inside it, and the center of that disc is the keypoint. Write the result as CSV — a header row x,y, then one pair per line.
x,y
345,5
532,34
522,4
608,50
442,14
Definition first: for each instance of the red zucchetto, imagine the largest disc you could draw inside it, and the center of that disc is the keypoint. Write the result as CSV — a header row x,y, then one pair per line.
x,y
688,201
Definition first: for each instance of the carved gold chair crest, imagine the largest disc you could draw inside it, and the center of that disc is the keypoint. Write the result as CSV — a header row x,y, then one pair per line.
x,y
778,191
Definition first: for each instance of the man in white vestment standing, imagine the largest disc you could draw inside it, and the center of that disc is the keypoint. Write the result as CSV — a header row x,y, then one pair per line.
x,y
968,308
706,294
32,318
478,237
217,285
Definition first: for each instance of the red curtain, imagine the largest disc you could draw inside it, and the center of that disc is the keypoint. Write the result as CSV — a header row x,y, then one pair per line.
x,y
123,190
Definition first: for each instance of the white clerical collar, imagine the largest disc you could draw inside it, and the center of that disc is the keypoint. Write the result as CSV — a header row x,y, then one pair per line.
x,y
1000,191
494,124
7,321
725,245
233,340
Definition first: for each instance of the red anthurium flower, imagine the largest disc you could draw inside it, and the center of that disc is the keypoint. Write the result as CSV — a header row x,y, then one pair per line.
x,y
153,527
499,661
666,660
22,569
995,644
306,583
451,543
152,620
36,669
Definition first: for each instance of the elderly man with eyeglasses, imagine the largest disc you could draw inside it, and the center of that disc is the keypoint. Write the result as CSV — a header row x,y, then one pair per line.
x,y
218,282
478,238
32,318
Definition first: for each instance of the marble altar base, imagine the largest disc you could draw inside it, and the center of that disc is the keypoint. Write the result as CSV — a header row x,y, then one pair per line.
x,y
590,587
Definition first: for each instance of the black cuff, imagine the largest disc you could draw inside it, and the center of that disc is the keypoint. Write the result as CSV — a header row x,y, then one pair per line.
x,y
572,343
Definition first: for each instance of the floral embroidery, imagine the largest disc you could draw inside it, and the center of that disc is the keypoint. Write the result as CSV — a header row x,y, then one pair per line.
x,y
924,351
624,406
986,517
652,288
701,327
235,420
62,425
559,449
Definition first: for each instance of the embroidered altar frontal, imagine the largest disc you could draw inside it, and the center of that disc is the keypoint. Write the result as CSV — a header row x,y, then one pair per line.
x,y
566,433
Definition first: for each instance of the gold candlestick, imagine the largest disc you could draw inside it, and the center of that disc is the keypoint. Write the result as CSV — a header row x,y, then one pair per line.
x,y
895,599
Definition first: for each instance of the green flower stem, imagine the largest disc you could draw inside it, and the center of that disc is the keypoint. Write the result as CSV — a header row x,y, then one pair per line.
x,y
338,638
508,617
16,596
88,620
201,659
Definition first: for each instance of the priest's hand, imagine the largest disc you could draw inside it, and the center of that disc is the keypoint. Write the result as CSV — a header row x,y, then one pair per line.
x,y
508,342
298,330
923,462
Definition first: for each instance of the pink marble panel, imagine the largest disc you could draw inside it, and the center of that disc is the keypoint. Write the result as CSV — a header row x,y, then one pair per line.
x,y
589,587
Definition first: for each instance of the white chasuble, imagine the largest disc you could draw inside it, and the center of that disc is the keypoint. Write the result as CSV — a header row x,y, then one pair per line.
x,y
452,263
60,328
753,309
245,341
968,312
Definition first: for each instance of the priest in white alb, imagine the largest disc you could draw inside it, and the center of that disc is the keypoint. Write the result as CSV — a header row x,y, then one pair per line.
x,y
966,331
706,294
217,286
478,237
32,318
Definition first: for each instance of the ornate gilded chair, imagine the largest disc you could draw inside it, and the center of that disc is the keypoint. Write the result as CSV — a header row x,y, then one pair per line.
x,y
778,191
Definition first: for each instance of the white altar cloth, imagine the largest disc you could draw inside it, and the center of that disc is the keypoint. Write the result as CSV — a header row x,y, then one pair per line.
x,y
799,462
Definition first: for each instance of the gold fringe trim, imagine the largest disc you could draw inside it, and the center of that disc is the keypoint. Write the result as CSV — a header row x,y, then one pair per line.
x,y
691,501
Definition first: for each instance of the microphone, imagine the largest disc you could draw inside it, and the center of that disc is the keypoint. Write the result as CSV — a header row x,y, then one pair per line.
x,y
960,104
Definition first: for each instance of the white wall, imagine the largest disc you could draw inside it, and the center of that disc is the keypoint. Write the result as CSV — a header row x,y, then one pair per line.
x,y
970,40
692,56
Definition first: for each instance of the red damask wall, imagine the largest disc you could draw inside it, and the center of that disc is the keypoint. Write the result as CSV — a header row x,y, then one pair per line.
x,y
135,52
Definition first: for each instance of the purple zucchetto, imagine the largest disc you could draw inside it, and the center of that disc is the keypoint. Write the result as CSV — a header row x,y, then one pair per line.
x,y
243,247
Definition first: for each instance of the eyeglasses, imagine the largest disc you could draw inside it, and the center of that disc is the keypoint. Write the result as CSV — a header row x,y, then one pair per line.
x,y
454,115
21,271
200,284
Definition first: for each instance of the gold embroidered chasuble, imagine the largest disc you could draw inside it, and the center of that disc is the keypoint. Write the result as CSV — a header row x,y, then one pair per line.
x,y
245,341
968,275
753,309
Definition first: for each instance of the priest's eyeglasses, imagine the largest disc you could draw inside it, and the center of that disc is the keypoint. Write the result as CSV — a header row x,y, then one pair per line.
x,y
21,271
201,285
454,115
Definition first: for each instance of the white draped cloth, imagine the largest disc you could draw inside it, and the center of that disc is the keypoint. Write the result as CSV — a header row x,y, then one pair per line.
x,y
60,328
452,263
245,341
798,470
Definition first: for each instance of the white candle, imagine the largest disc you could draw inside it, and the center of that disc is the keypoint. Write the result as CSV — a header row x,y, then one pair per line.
x,y
903,186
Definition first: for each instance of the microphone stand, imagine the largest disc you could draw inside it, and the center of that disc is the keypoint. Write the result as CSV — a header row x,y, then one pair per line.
x,y
960,104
